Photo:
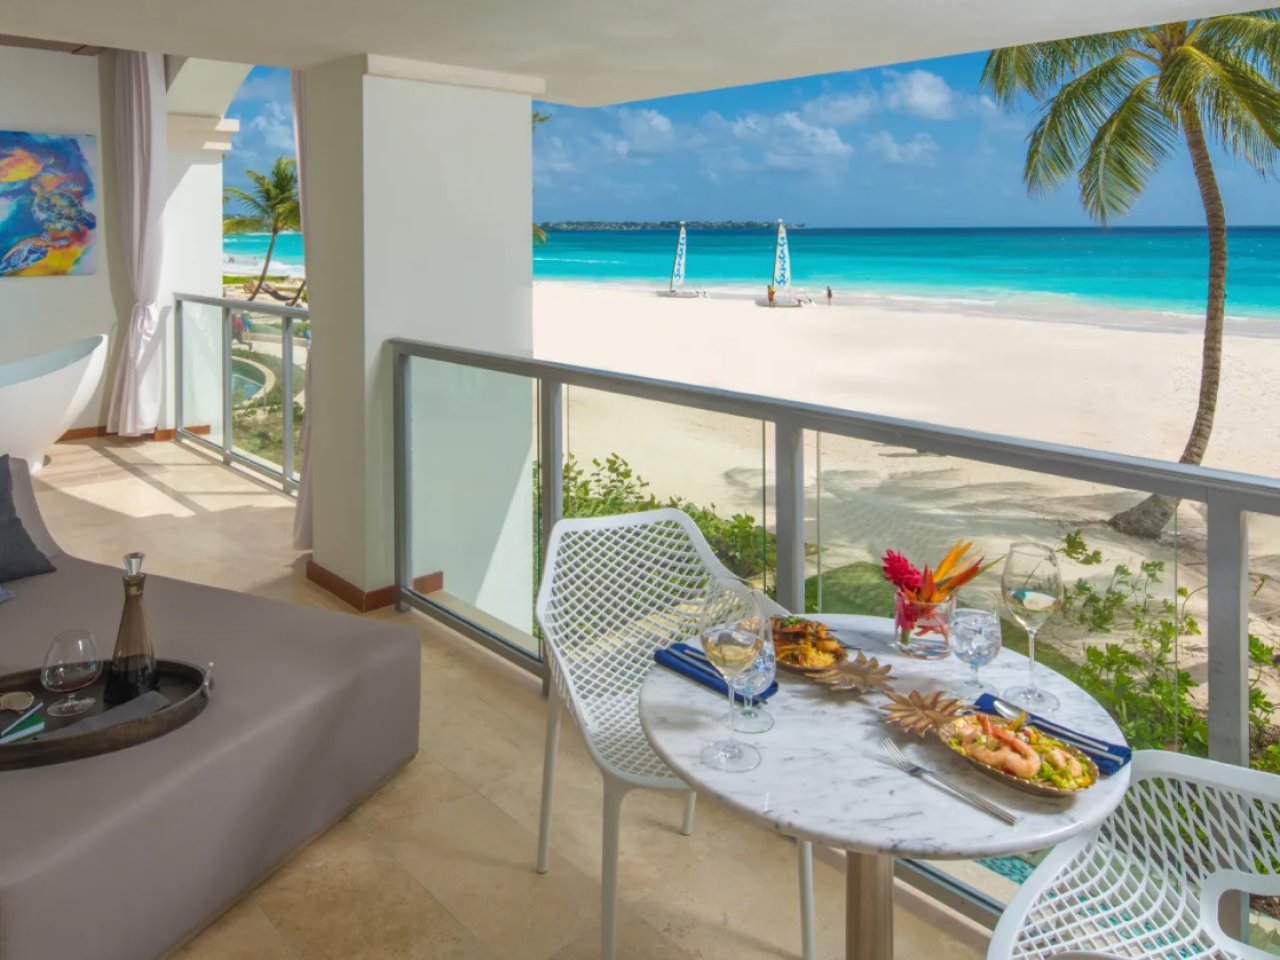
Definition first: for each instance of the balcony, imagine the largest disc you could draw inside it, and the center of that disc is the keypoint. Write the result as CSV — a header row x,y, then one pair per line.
x,y
807,499
443,854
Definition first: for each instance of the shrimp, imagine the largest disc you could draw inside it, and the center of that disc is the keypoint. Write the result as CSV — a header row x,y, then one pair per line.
x,y
997,747
1059,759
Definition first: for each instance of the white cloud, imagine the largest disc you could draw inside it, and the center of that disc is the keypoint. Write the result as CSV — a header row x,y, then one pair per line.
x,y
275,127
842,109
992,117
919,93
919,151
791,143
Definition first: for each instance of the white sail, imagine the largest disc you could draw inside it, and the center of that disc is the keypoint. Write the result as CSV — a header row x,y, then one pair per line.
x,y
677,271
782,263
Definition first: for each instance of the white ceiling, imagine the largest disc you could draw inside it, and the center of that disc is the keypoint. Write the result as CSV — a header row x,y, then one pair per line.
x,y
591,52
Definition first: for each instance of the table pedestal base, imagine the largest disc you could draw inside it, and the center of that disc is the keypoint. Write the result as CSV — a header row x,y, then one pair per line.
x,y
868,908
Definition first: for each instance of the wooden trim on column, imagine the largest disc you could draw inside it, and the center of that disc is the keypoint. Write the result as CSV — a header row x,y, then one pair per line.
x,y
367,600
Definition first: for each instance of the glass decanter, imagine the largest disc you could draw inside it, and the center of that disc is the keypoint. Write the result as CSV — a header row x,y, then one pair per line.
x,y
133,669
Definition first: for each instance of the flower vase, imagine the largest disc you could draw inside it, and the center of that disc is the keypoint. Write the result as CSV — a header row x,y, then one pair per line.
x,y
922,630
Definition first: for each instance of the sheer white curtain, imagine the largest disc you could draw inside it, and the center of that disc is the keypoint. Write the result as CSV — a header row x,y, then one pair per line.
x,y
141,145
302,539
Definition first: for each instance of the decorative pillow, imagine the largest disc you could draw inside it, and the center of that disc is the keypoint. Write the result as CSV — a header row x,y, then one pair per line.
x,y
19,556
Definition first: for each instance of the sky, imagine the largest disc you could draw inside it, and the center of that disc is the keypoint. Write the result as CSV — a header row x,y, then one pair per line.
x,y
916,145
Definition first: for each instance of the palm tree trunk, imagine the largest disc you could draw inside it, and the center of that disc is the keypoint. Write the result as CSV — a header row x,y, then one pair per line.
x,y
1148,518
266,265
298,296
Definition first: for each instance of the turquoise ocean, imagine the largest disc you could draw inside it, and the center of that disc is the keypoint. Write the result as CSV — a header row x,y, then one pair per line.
x,y
1158,270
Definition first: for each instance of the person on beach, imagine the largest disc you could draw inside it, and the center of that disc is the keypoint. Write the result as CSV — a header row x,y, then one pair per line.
x,y
771,294
828,295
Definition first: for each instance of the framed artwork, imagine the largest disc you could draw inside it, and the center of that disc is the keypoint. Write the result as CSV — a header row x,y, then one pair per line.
x,y
48,193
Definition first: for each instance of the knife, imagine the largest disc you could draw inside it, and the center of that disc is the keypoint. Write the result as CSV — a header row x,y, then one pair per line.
x,y
1010,712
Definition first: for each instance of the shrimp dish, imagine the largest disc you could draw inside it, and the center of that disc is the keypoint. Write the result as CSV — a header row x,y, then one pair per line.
x,y
1021,751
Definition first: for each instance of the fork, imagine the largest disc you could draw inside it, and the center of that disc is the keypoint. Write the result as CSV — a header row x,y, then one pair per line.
x,y
914,769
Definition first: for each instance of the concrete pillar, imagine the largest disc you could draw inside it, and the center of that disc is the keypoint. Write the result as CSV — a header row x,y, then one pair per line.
x,y
419,200
197,96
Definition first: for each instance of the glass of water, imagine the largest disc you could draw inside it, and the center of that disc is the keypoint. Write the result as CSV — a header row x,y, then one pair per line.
x,y
975,640
752,717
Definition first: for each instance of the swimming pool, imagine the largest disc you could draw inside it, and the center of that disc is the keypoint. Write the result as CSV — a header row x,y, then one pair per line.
x,y
247,380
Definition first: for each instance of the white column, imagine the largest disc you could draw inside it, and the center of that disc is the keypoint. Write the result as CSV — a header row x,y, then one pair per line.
x,y
420,181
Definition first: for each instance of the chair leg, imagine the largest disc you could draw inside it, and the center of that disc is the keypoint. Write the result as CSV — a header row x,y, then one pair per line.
x,y
552,746
615,791
690,804
808,940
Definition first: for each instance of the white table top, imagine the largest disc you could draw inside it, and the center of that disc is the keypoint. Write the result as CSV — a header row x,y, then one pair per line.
x,y
825,778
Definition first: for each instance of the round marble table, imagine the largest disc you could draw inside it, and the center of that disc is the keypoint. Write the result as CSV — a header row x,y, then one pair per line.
x,y
825,777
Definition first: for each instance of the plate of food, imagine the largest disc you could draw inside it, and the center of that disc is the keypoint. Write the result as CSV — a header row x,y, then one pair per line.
x,y
1020,755
806,646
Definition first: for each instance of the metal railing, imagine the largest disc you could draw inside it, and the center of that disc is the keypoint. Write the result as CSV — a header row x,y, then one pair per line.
x,y
1229,497
284,472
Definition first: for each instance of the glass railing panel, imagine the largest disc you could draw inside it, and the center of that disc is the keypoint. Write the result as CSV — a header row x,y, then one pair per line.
x,y
625,455
1264,640
301,330
1122,633
202,378
260,388
471,451
1264,682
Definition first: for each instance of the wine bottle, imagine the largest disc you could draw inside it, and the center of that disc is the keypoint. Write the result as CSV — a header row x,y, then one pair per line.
x,y
133,669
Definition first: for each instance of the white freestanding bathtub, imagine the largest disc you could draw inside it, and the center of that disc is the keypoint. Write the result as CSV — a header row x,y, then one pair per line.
x,y
41,396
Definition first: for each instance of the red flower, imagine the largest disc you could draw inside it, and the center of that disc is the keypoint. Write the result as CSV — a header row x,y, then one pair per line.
x,y
899,571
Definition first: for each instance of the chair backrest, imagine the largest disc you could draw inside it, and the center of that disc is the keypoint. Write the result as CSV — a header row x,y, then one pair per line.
x,y
1201,828
1191,817
614,590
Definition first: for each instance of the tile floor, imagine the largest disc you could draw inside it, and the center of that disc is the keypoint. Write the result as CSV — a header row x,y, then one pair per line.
x,y
439,863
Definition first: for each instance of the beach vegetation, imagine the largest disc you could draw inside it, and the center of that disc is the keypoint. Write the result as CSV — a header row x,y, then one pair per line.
x,y
612,487
272,206
1113,107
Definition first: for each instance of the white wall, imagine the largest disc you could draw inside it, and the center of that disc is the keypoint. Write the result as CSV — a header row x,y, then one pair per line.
x,y
58,93
192,225
437,249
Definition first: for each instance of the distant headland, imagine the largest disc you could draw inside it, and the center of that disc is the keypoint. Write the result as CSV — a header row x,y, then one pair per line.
x,y
569,225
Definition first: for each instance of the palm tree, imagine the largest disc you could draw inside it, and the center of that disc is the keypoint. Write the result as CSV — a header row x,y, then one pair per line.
x,y
539,235
273,206
1114,106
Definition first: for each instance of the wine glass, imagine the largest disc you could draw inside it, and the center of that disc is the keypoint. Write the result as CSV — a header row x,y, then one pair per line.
x,y
752,717
733,631
975,640
71,664
1032,588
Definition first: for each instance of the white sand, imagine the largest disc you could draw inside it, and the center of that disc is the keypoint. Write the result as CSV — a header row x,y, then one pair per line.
x,y
1120,387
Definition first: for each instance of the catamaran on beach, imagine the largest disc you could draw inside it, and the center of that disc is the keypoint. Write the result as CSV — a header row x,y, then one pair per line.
x,y
677,289
780,294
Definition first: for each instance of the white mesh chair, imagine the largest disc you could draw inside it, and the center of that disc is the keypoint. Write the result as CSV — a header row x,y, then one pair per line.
x,y
615,589
1148,881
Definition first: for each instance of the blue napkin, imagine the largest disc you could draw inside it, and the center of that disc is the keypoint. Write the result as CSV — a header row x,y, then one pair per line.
x,y
693,663
1109,761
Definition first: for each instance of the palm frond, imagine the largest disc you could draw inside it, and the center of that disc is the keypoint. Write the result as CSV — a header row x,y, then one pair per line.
x,y
252,205
245,225
1238,104
1066,129
1036,69
539,235
1253,37
1125,153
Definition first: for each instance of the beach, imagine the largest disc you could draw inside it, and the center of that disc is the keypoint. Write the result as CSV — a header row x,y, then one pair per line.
x,y
1124,386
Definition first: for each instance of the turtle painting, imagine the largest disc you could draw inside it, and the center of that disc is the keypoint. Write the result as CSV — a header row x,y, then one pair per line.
x,y
47,194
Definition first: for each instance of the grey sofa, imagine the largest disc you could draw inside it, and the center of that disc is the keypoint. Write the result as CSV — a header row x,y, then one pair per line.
x,y
120,856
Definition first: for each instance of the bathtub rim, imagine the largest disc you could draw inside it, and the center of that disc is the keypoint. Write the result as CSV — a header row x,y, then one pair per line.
x,y
26,369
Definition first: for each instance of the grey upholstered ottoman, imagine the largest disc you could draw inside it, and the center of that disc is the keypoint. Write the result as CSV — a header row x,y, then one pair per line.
x,y
121,856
